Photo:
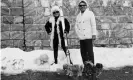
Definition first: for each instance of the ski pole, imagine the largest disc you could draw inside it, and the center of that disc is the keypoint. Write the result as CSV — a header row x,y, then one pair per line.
x,y
68,50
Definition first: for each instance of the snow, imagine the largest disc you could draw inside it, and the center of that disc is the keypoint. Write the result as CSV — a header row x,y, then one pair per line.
x,y
111,58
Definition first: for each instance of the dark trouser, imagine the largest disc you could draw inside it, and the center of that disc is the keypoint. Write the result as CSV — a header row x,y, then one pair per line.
x,y
86,48
55,46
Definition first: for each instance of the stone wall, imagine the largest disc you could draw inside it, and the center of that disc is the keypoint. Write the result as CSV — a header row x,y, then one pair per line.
x,y
22,22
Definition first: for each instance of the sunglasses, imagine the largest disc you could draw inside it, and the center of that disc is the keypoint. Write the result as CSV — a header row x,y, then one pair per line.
x,y
82,5
55,12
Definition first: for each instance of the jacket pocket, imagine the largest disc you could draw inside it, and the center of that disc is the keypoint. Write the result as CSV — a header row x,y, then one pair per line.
x,y
87,31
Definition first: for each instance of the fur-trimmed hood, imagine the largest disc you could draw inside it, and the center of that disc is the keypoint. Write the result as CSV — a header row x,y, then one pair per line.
x,y
52,20
57,8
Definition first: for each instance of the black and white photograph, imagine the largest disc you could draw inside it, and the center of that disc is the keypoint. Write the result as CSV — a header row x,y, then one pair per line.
x,y
66,39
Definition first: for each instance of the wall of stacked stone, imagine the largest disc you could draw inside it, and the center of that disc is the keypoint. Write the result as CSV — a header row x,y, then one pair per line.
x,y
22,22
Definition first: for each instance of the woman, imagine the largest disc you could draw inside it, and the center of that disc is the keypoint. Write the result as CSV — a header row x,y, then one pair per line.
x,y
57,27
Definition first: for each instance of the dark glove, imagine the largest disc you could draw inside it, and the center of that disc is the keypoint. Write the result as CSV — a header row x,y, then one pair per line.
x,y
65,32
93,37
49,33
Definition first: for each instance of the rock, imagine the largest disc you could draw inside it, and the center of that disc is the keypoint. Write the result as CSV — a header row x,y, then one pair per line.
x,y
8,19
45,43
6,43
17,27
16,11
108,11
28,20
105,26
18,43
5,27
16,3
41,35
30,35
18,20
125,19
98,11
5,35
16,35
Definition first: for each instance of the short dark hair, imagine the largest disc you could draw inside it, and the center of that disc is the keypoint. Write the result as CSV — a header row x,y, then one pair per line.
x,y
82,2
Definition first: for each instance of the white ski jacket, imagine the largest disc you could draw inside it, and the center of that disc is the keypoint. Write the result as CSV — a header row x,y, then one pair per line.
x,y
85,25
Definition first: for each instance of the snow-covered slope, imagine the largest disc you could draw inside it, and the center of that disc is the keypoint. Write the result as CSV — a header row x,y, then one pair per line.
x,y
109,57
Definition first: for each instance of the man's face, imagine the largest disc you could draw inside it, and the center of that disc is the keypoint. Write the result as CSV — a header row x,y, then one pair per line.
x,y
56,14
82,6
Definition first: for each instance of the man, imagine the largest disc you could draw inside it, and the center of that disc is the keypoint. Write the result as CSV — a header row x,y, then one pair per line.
x,y
57,27
85,28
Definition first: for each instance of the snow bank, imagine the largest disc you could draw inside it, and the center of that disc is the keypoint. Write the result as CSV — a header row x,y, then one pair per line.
x,y
109,57
114,57
27,60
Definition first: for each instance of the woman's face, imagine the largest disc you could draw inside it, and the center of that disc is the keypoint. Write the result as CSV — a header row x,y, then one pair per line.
x,y
56,14
82,6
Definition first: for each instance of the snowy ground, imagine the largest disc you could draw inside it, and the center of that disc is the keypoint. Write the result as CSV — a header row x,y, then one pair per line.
x,y
111,58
